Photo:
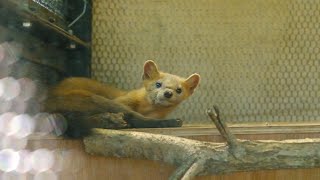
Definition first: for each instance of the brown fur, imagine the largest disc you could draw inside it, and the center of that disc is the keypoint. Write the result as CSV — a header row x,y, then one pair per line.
x,y
91,97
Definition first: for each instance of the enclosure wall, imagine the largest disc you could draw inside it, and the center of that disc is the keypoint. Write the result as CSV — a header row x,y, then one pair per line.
x,y
259,60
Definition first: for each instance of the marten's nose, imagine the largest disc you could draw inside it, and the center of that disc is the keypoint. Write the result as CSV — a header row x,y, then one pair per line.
x,y
168,94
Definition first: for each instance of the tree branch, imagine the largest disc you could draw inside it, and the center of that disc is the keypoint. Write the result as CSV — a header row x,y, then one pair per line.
x,y
194,170
181,171
224,130
195,158
185,153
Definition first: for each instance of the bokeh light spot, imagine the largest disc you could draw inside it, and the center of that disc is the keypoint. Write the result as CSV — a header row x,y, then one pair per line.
x,y
43,125
46,175
18,106
9,88
22,125
5,120
29,88
9,160
48,123
25,162
42,160
12,51
58,123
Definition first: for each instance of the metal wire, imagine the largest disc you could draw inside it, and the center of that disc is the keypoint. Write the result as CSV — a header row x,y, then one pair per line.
x,y
82,13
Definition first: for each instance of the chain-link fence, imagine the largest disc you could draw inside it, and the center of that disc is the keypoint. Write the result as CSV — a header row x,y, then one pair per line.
x,y
259,60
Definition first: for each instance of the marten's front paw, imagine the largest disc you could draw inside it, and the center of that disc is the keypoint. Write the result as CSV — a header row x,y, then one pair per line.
x,y
172,123
153,123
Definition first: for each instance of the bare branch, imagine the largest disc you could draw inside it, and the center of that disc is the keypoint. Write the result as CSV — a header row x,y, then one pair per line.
x,y
194,170
195,158
224,130
181,171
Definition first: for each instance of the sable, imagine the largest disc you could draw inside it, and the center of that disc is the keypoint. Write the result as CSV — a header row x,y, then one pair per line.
x,y
194,158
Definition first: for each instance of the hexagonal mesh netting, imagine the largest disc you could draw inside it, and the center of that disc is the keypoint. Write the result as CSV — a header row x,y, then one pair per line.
x,y
259,60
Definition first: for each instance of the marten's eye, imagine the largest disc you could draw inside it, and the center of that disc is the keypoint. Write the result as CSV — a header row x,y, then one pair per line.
x,y
179,90
158,84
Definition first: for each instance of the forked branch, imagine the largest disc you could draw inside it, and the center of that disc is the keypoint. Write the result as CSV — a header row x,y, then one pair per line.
x,y
194,158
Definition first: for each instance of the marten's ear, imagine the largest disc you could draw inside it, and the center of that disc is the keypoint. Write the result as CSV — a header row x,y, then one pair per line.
x,y
192,82
150,70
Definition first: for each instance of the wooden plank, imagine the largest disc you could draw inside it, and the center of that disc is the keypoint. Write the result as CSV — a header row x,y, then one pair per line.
x,y
271,128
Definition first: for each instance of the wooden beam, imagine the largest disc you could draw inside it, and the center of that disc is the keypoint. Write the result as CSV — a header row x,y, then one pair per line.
x,y
237,129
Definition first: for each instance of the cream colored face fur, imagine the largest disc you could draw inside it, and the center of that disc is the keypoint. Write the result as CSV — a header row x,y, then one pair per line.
x,y
165,89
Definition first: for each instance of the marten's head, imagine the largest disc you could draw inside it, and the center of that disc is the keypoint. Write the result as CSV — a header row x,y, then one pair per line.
x,y
166,89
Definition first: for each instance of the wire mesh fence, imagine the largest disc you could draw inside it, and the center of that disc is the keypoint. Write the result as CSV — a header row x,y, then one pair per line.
x,y
259,60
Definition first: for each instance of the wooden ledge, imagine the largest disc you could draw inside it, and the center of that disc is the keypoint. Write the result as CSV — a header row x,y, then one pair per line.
x,y
238,129
210,130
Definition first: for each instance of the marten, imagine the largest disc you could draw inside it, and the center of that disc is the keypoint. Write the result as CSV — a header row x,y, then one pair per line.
x,y
78,98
